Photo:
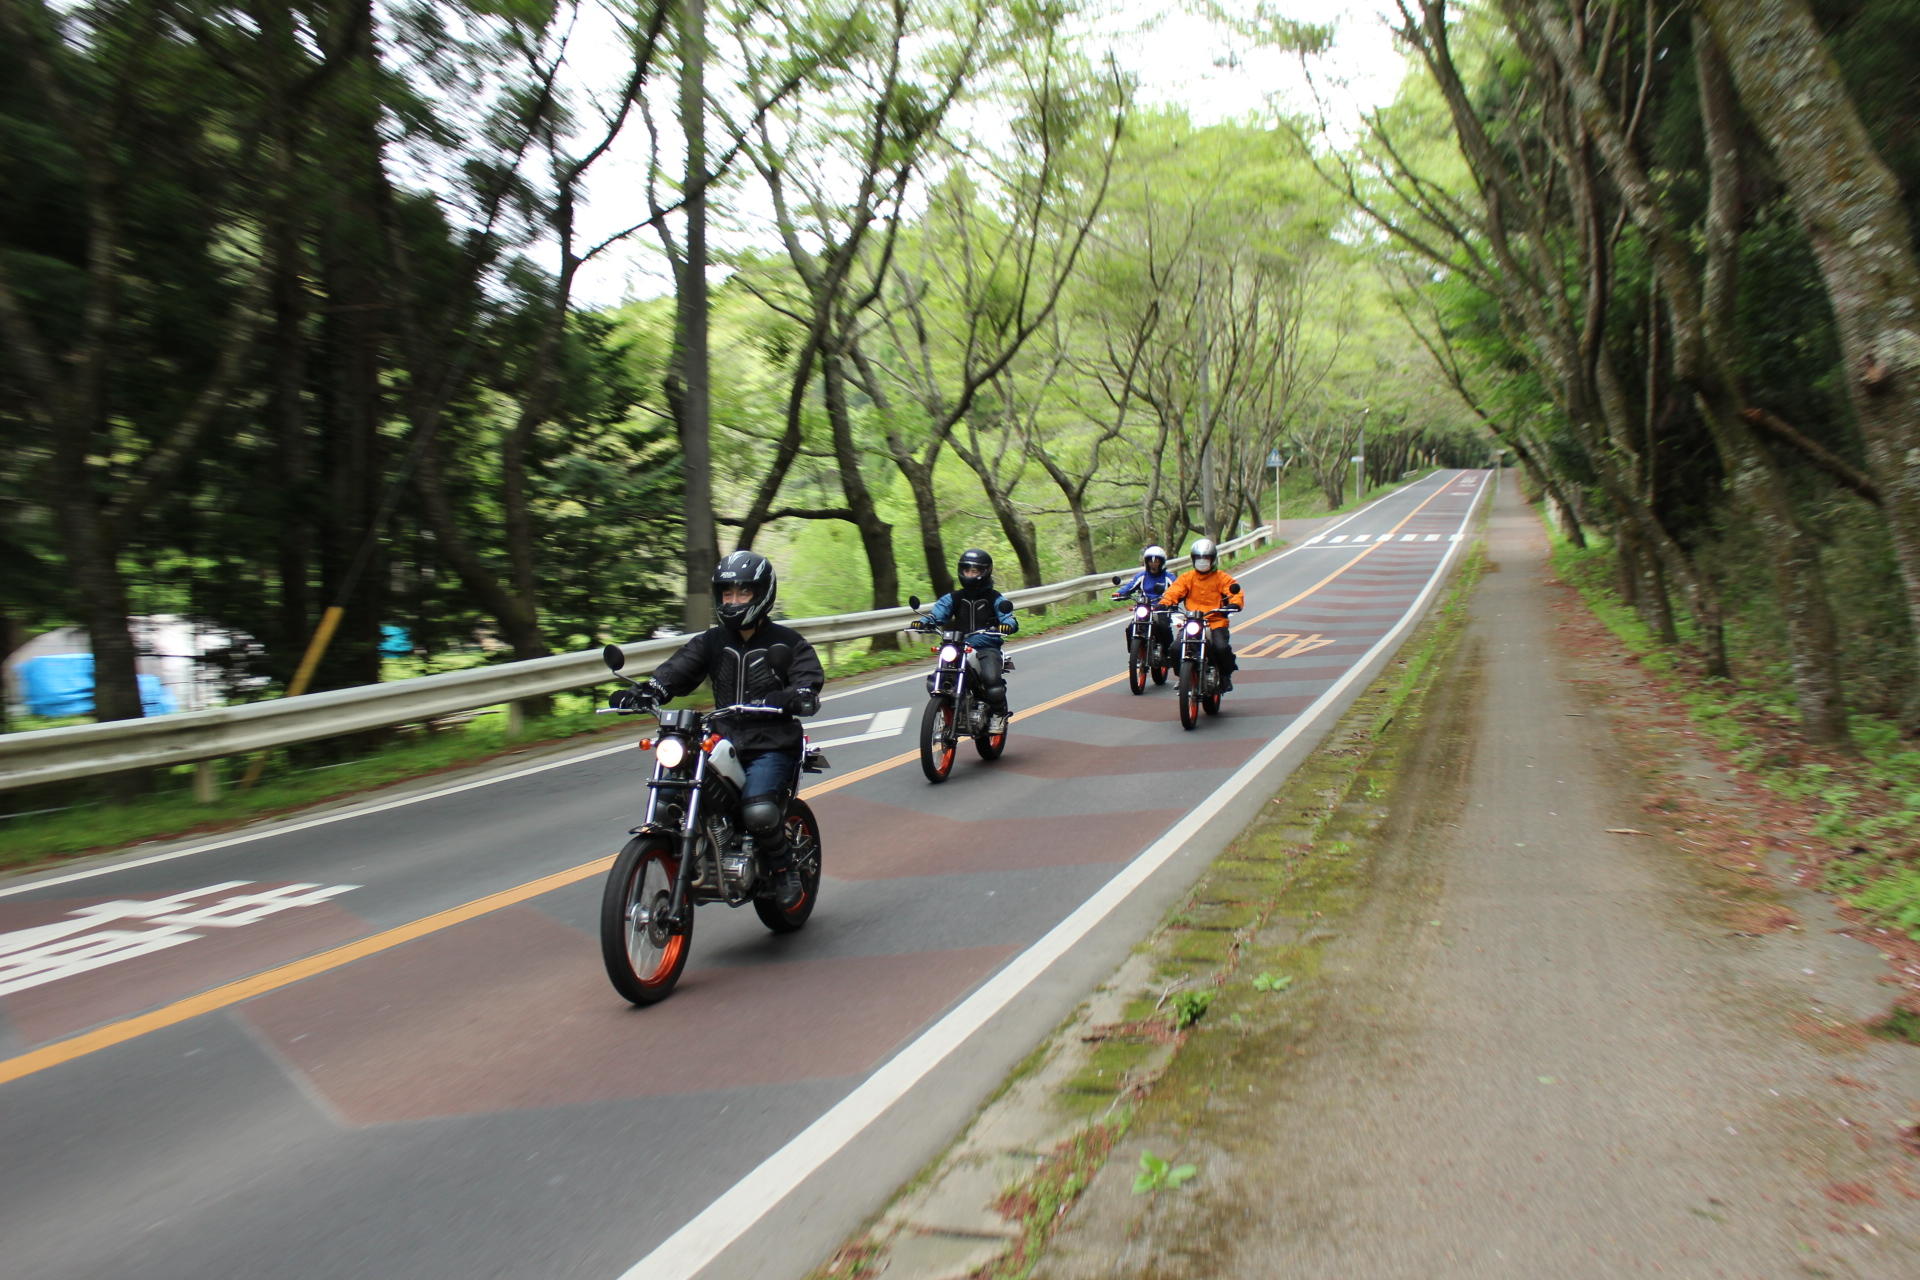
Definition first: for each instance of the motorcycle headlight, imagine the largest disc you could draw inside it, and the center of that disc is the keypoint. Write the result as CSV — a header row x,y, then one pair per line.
x,y
671,753
1141,612
949,653
1193,628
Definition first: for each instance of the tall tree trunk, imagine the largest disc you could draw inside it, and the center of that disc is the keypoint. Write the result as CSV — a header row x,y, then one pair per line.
x,y
1850,205
688,388
876,535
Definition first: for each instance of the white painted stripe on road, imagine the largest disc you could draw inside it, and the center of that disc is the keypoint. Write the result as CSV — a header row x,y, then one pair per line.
x,y
710,1232
361,811
886,724
1433,537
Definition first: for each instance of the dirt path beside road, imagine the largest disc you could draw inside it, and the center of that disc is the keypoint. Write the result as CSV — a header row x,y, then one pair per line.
x,y
1538,1048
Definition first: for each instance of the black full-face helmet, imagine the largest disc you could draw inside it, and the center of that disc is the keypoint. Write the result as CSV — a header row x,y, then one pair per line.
x,y
981,565
747,569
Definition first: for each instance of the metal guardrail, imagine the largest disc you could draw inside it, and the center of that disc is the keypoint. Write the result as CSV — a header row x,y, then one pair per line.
x,y
94,750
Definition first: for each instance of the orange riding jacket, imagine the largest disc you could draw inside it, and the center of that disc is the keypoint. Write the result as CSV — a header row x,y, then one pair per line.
x,y
1205,591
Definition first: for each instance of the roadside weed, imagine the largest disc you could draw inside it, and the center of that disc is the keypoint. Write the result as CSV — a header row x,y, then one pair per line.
x,y
1189,1007
1156,1173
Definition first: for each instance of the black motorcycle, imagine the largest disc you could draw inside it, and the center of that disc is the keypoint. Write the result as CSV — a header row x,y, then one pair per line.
x,y
1149,638
693,848
954,711
1199,680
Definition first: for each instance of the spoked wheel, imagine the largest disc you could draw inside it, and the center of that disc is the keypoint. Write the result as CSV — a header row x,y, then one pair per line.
x,y
1136,664
1189,694
644,953
803,842
990,745
937,739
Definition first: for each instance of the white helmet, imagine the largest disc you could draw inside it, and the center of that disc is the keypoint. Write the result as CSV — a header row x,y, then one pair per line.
x,y
1151,554
1204,554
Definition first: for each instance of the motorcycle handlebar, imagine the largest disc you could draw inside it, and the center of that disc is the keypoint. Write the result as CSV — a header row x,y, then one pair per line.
x,y
748,706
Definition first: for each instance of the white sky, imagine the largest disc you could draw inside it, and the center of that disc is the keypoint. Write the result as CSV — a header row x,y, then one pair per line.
x,y
1178,56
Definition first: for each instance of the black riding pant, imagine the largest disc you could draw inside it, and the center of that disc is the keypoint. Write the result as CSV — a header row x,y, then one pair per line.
x,y
1220,650
988,667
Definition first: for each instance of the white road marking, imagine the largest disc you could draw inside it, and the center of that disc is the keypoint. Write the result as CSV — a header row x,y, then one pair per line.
x,y
1433,537
822,724
44,953
714,1228
1341,538
362,811
886,724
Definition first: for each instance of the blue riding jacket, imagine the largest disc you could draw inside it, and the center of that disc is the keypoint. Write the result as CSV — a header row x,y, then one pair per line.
x,y
1156,584
976,613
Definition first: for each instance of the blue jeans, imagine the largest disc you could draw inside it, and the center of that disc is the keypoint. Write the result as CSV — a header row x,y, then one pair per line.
x,y
769,772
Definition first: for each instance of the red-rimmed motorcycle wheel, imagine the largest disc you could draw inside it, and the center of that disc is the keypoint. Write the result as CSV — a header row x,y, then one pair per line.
x,y
803,841
1136,664
644,956
1189,694
938,741
1160,674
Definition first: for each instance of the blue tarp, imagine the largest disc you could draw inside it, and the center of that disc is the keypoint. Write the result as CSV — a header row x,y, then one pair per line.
x,y
394,641
61,684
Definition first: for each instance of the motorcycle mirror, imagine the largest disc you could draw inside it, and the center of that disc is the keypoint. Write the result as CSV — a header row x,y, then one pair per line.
x,y
913,602
1116,579
1233,586
614,656
780,654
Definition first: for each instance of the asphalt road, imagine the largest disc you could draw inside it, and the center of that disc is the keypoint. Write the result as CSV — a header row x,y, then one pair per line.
x,y
378,1042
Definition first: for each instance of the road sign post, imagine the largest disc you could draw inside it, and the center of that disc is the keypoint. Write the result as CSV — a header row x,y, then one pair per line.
x,y
1274,461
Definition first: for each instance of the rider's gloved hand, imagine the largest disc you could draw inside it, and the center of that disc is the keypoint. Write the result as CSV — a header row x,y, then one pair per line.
x,y
644,697
799,702
1005,628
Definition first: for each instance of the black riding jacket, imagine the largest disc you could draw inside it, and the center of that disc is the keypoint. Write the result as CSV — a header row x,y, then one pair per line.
x,y
746,671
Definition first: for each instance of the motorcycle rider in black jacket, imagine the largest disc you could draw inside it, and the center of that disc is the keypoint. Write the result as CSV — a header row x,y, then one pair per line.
x,y
750,659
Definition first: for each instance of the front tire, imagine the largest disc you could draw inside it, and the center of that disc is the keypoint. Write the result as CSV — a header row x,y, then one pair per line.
x,y
937,739
803,843
644,954
1136,664
1189,694
990,745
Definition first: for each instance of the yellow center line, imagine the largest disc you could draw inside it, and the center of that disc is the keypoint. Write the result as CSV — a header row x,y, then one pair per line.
x,y
52,1055
114,1033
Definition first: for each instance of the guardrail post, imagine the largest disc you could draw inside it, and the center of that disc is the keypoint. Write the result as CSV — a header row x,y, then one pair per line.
x,y
206,782
516,721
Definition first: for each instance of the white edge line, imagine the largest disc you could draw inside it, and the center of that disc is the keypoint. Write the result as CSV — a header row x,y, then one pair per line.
x,y
289,828
401,802
716,1227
